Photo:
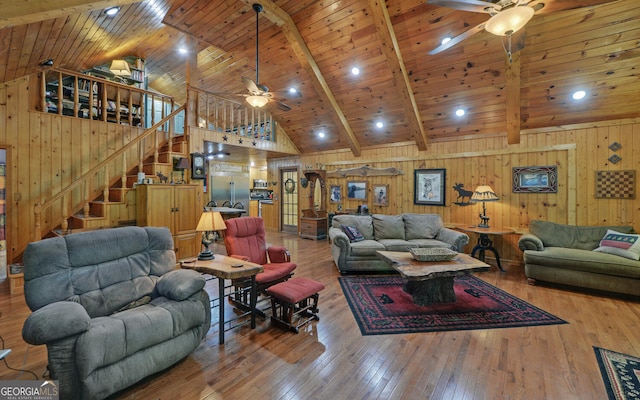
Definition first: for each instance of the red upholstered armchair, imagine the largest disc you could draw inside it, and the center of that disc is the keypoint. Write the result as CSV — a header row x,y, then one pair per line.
x,y
245,239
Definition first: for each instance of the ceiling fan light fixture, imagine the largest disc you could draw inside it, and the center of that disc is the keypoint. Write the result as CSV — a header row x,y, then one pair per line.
x,y
509,21
257,101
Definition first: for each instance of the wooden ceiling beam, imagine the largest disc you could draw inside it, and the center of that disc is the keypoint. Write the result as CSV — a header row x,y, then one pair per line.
x,y
27,12
391,49
279,17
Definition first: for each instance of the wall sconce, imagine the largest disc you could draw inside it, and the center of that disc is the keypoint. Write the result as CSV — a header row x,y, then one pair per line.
x,y
304,182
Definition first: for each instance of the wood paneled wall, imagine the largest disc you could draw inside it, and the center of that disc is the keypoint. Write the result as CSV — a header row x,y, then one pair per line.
x,y
47,153
577,151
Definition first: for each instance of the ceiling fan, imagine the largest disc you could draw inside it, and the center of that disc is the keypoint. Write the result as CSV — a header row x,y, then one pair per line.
x,y
259,94
508,18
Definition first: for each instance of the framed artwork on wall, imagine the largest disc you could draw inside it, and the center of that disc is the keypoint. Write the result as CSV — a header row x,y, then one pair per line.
x,y
380,195
428,187
335,193
543,179
356,190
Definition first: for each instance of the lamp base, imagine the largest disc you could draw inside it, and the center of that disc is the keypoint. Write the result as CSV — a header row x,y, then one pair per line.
x,y
482,225
206,255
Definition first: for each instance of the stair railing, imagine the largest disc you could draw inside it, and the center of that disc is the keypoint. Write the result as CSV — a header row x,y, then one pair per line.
x,y
39,207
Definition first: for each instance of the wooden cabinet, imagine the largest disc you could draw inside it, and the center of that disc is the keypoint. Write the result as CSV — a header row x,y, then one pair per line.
x,y
254,208
313,228
175,206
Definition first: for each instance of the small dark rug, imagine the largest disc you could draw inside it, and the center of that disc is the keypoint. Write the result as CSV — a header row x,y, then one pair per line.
x,y
620,372
381,306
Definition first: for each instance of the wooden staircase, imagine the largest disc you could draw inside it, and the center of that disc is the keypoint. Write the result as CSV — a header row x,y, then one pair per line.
x,y
120,209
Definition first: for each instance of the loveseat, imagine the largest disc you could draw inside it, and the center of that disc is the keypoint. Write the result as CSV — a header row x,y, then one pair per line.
x,y
111,307
357,253
582,256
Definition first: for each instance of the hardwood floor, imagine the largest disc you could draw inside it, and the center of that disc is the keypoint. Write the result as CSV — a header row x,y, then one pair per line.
x,y
331,360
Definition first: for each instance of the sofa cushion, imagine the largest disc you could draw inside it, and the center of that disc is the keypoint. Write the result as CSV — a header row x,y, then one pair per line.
x,y
421,226
620,244
429,243
395,244
352,233
583,260
388,226
366,248
572,236
364,223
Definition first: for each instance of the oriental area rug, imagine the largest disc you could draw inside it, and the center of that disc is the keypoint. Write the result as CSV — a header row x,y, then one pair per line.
x,y
381,307
620,372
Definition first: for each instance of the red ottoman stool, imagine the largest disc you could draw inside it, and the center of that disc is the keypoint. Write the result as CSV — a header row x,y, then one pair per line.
x,y
296,298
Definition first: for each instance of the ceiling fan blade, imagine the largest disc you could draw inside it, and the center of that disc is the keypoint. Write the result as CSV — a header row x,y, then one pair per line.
x,y
251,85
458,39
466,5
518,40
282,106
546,6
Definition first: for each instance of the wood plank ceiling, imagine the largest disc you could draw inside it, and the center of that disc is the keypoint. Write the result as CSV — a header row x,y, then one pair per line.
x,y
312,45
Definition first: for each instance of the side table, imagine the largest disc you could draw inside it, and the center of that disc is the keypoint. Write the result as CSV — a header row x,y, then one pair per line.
x,y
224,267
484,241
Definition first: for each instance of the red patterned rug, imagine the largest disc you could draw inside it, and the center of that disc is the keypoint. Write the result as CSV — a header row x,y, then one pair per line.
x,y
620,373
381,307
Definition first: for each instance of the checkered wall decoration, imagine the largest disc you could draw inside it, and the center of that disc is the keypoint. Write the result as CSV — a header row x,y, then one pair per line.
x,y
616,184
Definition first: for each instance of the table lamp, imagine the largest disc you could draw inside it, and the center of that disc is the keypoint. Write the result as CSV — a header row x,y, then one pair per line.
x,y
483,194
210,221
181,165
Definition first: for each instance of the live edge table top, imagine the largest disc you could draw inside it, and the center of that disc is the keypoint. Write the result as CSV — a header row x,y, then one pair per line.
x,y
224,267
412,269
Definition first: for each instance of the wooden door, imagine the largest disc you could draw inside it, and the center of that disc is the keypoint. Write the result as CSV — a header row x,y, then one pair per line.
x,y
155,206
187,210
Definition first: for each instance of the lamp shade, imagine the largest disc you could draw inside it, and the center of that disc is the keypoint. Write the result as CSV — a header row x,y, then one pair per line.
x,y
120,68
211,221
183,164
509,21
484,193
257,101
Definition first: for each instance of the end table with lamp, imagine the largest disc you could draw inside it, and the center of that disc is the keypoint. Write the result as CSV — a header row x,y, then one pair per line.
x,y
210,222
484,193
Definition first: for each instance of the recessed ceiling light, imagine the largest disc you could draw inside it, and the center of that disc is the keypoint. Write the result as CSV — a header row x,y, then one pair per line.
x,y
293,90
220,155
445,40
460,112
355,71
210,157
579,95
253,164
379,124
111,11
321,135
182,50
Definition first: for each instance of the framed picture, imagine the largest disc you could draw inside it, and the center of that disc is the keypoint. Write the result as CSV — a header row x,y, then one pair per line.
x,y
428,187
356,190
335,193
380,195
535,179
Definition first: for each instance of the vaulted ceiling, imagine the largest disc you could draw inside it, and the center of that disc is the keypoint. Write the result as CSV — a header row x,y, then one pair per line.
x,y
312,45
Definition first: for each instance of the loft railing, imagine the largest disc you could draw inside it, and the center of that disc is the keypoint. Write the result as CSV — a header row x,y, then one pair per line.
x,y
221,114
118,157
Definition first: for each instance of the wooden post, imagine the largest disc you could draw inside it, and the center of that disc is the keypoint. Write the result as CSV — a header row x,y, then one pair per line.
x,y
105,190
43,91
123,178
64,224
86,207
37,217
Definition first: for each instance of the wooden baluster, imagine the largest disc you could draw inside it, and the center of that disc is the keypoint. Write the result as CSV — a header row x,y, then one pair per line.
x,y
117,105
92,92
206,120
43,91
142,108
216,121
130,105
76,97
37,218
123,178
155,147
64,224
172,128
60,93
105,189
104,101
86,207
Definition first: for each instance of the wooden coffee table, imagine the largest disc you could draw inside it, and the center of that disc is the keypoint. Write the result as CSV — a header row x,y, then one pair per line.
x,y
431,282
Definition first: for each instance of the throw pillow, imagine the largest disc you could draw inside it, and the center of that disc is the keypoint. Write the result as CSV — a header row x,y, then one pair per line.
x,y
620,244
352,233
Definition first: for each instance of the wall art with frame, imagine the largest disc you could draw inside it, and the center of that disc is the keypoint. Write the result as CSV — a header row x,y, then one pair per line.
x,y
380,195
428,187
335,193
356,190
536,179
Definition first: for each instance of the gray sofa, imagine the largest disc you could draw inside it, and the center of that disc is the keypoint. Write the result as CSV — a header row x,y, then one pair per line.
x,y
111,307
387,232
565,254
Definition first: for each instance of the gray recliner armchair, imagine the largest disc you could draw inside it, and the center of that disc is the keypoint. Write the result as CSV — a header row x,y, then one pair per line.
x,y
111,307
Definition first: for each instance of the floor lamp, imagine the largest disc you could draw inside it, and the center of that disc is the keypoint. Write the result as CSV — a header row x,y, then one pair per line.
x,y
210,222
483,194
